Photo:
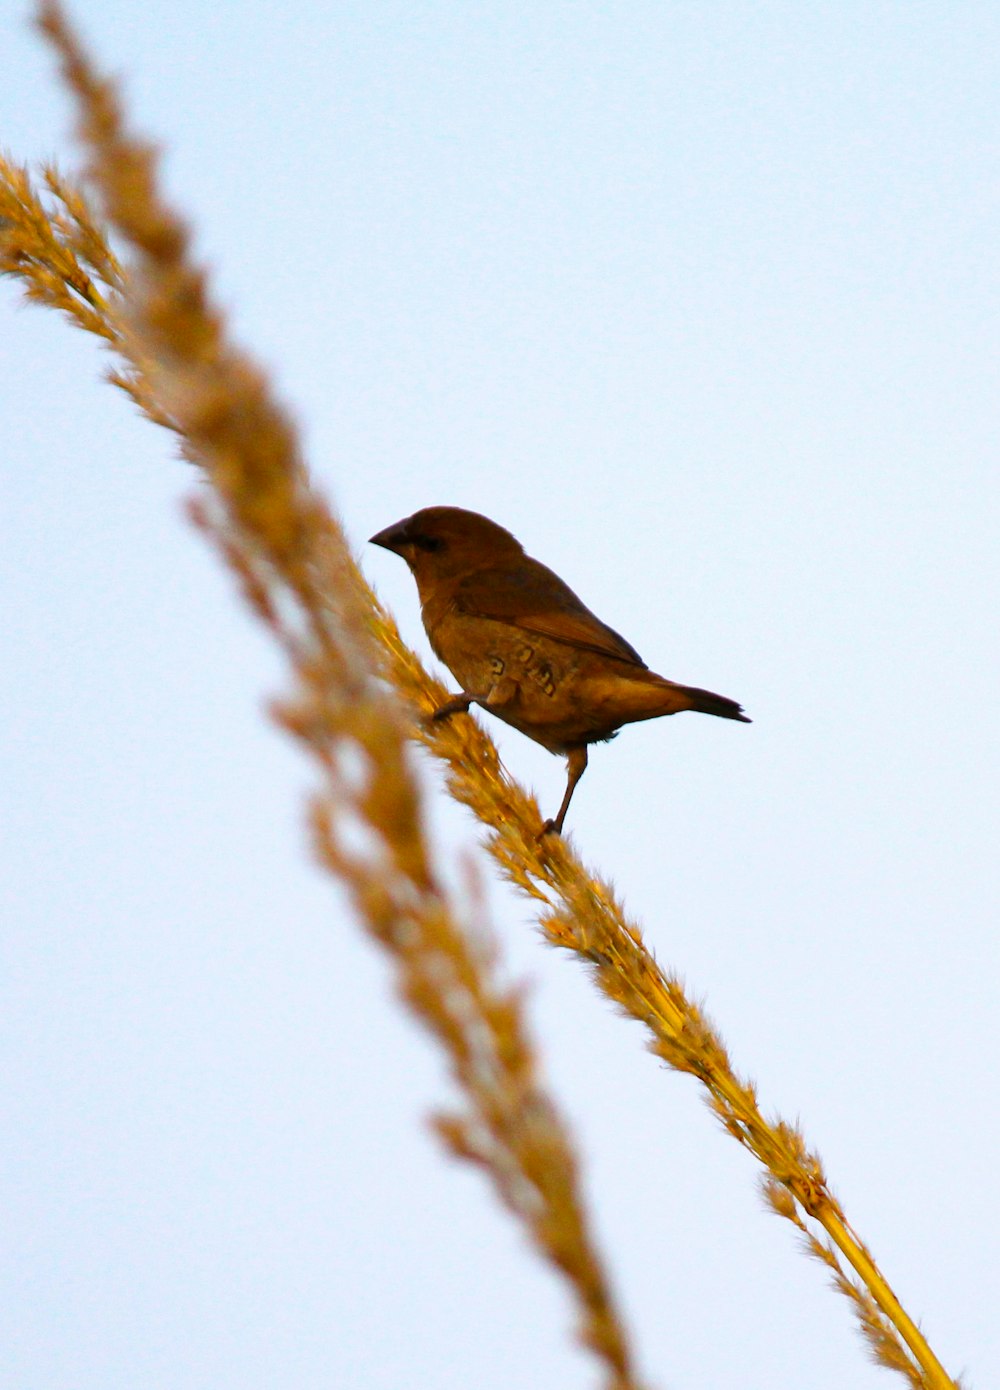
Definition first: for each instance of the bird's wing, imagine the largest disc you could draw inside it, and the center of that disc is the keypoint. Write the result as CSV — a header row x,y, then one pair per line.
x,y
530,597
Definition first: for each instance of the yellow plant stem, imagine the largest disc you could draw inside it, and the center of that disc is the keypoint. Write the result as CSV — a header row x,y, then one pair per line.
x,y
816,1200
847,1242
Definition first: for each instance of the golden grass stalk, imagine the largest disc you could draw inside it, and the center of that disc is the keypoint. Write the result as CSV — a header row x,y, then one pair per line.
x,y
300,578
291,559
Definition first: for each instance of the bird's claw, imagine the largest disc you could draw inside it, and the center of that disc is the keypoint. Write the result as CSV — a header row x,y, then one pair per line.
x,y
460,705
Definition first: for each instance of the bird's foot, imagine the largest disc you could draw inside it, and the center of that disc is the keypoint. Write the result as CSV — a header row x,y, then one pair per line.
x,y
459,704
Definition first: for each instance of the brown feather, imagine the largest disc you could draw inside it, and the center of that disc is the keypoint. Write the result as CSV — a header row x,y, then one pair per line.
x,y
529,596
524,647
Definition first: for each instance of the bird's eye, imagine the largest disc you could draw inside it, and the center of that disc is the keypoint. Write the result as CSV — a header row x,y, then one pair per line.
x,y
428,543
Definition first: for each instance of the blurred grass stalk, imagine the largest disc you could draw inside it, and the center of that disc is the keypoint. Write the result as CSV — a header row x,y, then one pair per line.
x,y
296,571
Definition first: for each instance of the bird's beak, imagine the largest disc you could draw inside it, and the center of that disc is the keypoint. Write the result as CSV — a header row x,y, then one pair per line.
x,y
393,538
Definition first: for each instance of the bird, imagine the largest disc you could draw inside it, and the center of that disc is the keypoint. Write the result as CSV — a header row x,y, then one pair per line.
x,y
524,647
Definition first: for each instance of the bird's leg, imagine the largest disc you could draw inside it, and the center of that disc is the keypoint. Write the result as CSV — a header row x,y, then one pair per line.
x,y
500,693
576,766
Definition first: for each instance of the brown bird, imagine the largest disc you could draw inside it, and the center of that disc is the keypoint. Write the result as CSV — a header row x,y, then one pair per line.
x,y
523,646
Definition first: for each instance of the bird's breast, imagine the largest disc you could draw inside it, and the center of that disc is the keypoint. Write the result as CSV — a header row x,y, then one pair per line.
x,y
540,686
483,651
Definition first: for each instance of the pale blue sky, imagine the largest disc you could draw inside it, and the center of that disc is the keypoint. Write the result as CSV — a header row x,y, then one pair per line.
x,y
701,302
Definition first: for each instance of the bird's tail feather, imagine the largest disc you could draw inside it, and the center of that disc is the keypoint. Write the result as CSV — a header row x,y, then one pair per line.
x,y
705,702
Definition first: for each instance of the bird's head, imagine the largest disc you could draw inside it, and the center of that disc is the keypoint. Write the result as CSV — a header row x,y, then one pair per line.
x,y
442,543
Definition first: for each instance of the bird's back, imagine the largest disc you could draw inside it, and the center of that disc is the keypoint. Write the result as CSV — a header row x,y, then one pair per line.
x,y
531,597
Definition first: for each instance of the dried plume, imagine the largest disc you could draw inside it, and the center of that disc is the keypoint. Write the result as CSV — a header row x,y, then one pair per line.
x,y
289,554
343,647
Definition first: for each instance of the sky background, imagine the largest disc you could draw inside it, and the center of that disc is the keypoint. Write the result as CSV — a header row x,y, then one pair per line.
x,y
700,302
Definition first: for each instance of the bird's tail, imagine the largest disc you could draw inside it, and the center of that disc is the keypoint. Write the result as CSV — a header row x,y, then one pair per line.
x,y
705,702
